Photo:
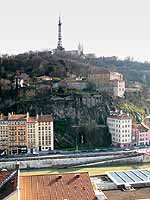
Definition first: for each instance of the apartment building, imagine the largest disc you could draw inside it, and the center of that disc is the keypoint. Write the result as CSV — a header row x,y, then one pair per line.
x,y
17,133
3,133
106,80
135,134
21,133
45,132
120,128
144,136
40,133
32,130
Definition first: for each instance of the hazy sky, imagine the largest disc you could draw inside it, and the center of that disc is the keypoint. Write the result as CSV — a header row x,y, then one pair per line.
x,y
105,27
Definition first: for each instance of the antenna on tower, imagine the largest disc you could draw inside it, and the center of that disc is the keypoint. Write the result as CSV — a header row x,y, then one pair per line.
x,y
59,44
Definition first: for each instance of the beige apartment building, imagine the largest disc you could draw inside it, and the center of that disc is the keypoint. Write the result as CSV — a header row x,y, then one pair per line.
x,y
20,133
40,133
3,134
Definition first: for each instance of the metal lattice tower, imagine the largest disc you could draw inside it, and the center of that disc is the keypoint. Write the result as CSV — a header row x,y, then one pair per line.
x,y
59,44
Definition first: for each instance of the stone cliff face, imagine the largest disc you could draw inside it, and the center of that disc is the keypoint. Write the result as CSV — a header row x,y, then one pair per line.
x,y
84,107
80,119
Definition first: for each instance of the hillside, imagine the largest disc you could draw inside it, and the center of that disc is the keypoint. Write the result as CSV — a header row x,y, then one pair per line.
x,y
132,70
80,117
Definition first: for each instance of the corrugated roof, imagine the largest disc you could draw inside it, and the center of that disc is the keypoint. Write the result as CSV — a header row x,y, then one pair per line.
x,y
69,186
132,177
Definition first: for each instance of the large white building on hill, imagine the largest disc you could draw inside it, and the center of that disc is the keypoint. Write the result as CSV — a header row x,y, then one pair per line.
x,y
120,128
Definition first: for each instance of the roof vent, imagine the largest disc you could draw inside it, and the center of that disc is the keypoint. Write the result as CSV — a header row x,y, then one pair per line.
x,y
60,176
77,176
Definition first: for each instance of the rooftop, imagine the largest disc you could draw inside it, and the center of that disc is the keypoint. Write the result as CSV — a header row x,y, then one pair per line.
x,y
137,194
120,116
69,186
132,177
26,117
146,122
44,118
16,116
99,70
31,119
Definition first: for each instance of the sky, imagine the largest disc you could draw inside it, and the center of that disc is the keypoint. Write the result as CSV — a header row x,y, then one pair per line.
x,y
104,27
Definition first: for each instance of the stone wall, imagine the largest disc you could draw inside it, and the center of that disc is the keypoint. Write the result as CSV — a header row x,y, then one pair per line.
x,y
68,162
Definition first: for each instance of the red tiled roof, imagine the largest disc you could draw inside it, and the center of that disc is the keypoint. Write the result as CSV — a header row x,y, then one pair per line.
x,y
142,128
67,186
16,116
31,119
44,118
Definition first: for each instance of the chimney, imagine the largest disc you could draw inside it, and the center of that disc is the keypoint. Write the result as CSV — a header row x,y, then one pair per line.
x,y
1,116
27,116
9,115
37,117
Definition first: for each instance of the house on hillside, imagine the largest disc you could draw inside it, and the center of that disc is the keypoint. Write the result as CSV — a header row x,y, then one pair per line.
x,y
108,81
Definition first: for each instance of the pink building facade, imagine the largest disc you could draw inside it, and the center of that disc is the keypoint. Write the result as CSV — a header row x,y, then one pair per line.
x,y
144,137
140,135
135,134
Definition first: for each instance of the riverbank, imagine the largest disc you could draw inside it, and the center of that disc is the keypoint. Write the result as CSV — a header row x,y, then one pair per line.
x,y
91,170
